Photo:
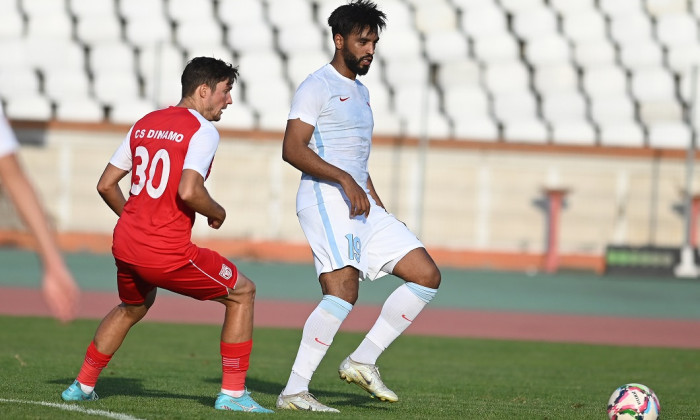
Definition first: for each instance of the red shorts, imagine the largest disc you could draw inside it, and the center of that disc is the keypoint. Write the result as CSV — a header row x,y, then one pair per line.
x,y
207,276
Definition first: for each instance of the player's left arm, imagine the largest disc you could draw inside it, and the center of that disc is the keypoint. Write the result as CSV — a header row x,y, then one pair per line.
x,y
193,192
373,192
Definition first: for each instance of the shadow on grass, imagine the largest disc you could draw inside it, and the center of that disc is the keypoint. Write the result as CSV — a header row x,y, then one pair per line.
x,y
130,387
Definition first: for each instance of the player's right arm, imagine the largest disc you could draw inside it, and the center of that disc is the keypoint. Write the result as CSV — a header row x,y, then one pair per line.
x,y
109,190
296,152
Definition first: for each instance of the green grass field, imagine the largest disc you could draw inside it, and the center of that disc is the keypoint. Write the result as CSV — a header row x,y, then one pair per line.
x,y
172,371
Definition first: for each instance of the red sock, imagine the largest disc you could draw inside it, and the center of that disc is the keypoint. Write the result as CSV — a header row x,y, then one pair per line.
x,y
235,359
93,365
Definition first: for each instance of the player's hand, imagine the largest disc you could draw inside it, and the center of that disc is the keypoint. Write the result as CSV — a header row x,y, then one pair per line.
x,y
359,203
60,291
214,223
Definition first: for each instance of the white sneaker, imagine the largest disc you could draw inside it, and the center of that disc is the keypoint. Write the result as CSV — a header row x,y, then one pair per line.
x,y
366,377
302,401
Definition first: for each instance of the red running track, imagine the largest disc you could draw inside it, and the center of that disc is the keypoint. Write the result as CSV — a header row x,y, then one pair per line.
x,y
432,321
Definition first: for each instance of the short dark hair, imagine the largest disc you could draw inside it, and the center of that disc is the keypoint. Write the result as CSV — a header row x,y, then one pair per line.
x,y
355,16
206,70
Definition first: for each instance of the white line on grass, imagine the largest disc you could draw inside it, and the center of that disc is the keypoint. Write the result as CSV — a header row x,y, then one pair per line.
x,y
72,407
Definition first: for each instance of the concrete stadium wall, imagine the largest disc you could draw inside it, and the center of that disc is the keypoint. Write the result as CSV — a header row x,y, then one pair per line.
x,y
476,196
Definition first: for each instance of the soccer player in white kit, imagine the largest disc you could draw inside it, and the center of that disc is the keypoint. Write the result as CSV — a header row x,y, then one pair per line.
x,y
328,138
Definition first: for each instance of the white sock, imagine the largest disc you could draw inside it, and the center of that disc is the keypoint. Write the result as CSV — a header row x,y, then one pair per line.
x,y
234,394
86,389
317,336
398,312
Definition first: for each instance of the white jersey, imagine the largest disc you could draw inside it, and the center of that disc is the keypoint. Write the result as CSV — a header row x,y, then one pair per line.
x,y
8,140
339,110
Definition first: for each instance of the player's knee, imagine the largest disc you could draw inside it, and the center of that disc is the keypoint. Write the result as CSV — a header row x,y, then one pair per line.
x,y
433,277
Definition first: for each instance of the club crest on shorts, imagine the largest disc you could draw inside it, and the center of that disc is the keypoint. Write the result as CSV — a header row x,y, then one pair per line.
x,y
225,272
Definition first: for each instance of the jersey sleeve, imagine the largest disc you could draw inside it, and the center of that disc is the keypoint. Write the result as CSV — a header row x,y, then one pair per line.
x,y
309,100
201,150
122,158
8,140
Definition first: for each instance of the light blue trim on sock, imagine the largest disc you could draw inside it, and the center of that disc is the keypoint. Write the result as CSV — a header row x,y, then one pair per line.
x,y
336,306
426,294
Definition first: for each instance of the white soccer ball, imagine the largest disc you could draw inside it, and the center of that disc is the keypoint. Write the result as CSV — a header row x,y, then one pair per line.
x,y
633,402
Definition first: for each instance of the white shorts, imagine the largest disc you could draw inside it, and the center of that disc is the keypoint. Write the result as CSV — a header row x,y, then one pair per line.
x,y
373,245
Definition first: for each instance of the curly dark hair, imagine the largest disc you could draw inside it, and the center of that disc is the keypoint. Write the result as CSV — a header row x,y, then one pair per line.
x,y
355,16
206,70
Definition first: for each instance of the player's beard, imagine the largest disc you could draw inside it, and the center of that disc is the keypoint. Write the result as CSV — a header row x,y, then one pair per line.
x,y
353,63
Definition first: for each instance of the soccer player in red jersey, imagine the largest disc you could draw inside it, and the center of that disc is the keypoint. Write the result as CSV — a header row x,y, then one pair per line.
x,y
169,153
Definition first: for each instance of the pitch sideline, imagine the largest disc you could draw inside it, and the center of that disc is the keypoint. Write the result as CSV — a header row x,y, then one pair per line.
x,y
72,407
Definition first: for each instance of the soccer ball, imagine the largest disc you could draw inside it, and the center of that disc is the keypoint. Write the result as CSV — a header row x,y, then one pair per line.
x,y
633,402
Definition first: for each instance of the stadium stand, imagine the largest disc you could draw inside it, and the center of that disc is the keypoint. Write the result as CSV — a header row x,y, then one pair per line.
x,y
587,72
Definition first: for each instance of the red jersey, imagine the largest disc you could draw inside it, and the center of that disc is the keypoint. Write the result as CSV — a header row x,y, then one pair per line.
x,y
155,228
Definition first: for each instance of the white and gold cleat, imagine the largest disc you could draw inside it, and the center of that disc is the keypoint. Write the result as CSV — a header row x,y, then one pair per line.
x,y
303,401
366,377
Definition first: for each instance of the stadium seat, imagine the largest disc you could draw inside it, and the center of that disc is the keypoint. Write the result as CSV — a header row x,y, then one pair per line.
x,y
575,132
237,116
460,71
671,135
660,111
140,9
676,29
484,22
246,38
584,26
595,53
559,77
604,81
622,134
400,43
209,50
525,131
94,31
292,40
240,12
400,73
34,8
379,96
29,107
147,31
280,12
432,124
681,59
265,94
506,77
466,101
631,29
11,21
641,55
612,108
192,34
47,55
91,9
47,27
15,82
193,11
658,8
386,123
18,50
129,111
413,101
563,106
652,84
535,23
261,66
445,45
571,7
547,50
519,6
112,87
477,128
616,9
83,109
497,48
112,56
515,106
434,16
61,84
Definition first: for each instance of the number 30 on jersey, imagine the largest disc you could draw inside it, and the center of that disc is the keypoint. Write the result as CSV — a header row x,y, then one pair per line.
x,y
150,165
